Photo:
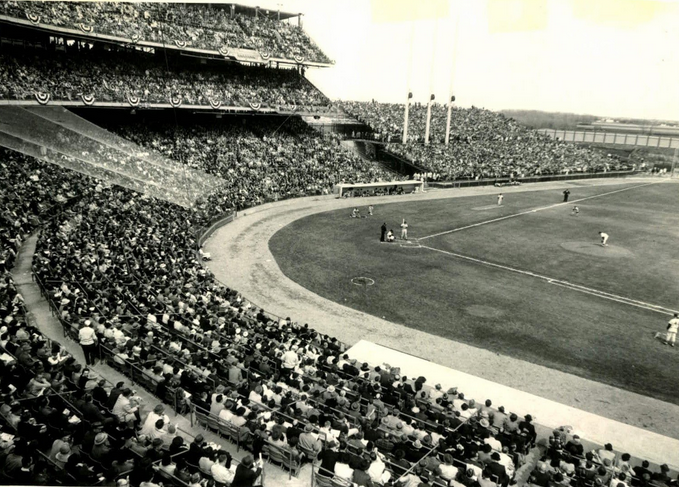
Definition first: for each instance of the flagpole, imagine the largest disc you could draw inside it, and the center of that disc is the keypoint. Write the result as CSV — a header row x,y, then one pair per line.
x,y
410,72
426,128
452,76
431,83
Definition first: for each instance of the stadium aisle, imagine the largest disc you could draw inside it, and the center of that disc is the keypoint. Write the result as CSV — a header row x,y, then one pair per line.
x,y
38,313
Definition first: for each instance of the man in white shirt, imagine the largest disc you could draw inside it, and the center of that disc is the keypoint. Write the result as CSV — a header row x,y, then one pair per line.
x,y
289,360
221,473
150,421
88,341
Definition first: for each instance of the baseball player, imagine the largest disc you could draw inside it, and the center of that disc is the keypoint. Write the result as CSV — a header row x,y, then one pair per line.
x,y
672,328
404,230
604,239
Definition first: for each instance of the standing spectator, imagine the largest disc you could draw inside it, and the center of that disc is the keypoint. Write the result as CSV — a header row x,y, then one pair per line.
x,y
88,342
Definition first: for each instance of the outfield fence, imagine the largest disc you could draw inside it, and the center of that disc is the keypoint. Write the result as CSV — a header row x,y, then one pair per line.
x,y
507,181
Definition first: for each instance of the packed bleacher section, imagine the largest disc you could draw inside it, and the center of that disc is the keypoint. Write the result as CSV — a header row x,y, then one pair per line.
x,y
61,422
111,74
215,28
483,144
260,160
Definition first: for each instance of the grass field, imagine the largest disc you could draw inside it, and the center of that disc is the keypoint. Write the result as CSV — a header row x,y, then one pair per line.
x,y
510,311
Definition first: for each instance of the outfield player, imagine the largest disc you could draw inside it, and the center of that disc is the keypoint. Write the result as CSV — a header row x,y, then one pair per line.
x,y
672,328
575,211
499,199
604,239
370,210
404,230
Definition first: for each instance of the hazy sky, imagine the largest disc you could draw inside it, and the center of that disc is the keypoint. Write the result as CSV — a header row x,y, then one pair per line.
x,y
602,57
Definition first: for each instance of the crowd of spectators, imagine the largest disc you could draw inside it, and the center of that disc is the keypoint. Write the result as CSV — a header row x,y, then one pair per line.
x,y
111,75
209,27
126,267
483,144
259,160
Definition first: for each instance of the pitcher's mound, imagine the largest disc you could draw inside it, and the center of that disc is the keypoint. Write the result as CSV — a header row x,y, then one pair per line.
x,y
483,311
596,250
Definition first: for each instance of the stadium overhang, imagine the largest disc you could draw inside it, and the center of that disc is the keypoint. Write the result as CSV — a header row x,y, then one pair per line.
x,y
233,54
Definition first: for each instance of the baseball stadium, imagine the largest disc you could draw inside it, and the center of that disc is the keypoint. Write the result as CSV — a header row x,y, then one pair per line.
x,y
225,262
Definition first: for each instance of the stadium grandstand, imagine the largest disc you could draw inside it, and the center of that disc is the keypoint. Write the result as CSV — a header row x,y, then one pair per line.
x,y
127,130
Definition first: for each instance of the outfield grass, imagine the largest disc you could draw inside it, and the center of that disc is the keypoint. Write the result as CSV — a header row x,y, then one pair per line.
x,y
510,313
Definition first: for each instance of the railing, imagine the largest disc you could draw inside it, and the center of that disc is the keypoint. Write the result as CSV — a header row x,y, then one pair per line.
x,y
595,137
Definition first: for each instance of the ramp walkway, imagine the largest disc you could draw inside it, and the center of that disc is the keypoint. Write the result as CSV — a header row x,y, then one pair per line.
x,y
56,135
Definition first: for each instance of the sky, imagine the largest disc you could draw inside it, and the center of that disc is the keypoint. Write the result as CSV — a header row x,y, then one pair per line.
x,y
614,58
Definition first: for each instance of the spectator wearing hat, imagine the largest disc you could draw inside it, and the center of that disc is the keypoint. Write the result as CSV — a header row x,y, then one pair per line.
x,y
247,472
415,452
101,448
196,450
62,456
309,442
87,338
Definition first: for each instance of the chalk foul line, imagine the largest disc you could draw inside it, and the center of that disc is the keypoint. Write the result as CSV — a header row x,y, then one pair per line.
x,y
559,282
535,210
